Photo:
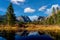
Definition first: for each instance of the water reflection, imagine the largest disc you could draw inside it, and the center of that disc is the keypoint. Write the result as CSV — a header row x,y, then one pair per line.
x,y
1,38
27,36
33,36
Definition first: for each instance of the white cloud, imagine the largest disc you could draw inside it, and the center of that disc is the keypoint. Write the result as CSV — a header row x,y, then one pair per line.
x,y
29,10
33,17
42,8
49,11
17,1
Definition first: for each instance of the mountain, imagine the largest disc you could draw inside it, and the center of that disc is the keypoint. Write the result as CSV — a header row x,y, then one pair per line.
x,y
30,18
33,18
36,18
40,18
20,18
2,17
23,19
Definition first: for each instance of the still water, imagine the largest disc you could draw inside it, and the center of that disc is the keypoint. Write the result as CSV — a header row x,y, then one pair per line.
x,y
31,36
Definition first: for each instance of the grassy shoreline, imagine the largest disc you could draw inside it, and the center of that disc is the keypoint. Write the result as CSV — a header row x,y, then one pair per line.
x,y
31,27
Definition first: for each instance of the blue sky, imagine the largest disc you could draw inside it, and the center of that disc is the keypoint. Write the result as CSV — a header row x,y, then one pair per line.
x,y
29,7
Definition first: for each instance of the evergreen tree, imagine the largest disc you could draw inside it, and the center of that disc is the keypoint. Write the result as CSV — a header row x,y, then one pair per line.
x,y
11,19
58,17
57,8
53,10
54,15
55,18
51,21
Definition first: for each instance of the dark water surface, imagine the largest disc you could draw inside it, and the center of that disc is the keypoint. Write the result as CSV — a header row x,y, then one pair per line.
x,y
1,38
31,36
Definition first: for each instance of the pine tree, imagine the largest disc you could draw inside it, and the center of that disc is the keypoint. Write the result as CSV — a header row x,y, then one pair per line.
x,y
11,19
58,17
57,8
54,15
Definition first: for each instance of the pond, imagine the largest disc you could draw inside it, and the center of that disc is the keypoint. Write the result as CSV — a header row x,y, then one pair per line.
x,y
31,36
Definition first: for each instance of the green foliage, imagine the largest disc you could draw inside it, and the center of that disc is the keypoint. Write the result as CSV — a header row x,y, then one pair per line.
x,y
11,19
50,20
55,18
21,22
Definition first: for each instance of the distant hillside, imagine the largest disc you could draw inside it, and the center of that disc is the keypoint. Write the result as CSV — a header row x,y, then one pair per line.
x,y
40,18
23,19
2,17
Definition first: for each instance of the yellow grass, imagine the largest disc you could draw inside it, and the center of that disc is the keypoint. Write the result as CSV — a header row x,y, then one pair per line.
x,y
31,27
52,28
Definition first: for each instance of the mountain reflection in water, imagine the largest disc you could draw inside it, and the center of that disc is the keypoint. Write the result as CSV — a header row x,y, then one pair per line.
x,y
33,36
29,36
